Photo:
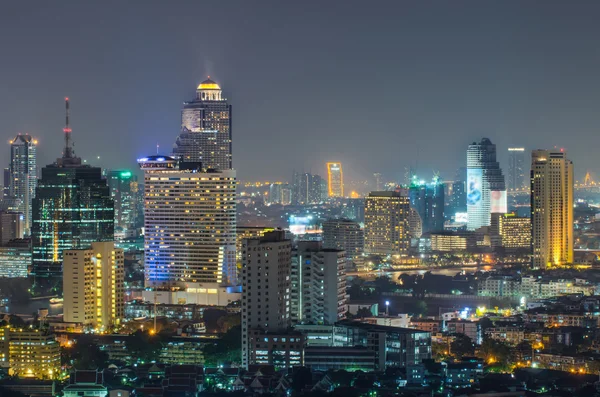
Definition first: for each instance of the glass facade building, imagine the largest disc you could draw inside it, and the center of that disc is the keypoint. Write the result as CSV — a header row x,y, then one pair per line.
x,y
124,189
23,175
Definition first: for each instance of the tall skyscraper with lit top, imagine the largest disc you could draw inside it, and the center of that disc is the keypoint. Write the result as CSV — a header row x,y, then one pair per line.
x,y
551,208
517,179
335,179
486,189
206,129
190,225
23,175
72,209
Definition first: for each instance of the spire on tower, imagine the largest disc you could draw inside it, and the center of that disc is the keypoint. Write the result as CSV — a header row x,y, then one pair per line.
x,y
68,153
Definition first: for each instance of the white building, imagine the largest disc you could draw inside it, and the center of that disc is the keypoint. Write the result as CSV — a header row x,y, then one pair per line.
x,y
23,175
344,234
266,287
189,218
318,284
93,282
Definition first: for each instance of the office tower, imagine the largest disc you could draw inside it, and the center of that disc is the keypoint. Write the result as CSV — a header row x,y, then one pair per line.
x,y
511,232
335,180
306,189
354,209
428,200
11,226
486,191
72,208
94,287
318,284
266,265
206,129
5,184
551,208
378,183
344,234
23,174
15,259
190,220
517,179
123,186
386,223
31,353
458,200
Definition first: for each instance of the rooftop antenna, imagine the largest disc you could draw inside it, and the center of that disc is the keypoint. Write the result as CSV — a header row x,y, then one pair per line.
x,y
157,148
68,153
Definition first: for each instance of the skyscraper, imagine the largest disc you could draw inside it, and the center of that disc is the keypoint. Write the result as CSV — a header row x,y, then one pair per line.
x,y
72,208
551,208
335,180
206,129
94,287
386,223
190,224
306,189
428,200
23,174
124,190
266,263
516,169
344,234
486,191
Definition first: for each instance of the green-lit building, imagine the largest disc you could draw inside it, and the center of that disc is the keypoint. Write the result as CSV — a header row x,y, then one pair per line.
x,y
124,189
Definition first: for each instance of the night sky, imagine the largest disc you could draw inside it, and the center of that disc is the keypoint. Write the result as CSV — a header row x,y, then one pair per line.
x,y
375,85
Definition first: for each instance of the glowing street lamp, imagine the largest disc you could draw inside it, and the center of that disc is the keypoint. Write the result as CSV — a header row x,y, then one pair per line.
x,y
387,308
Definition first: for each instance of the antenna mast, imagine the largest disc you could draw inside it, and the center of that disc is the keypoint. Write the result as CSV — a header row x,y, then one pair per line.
x,y
68,153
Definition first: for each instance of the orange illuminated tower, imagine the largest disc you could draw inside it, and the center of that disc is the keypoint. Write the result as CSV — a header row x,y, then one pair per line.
x,y
335,179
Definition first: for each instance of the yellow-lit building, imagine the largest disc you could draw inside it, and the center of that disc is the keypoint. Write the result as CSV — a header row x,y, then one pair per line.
x,y
30,353
551,208
335,180
449,242
93,282
386,223
514,232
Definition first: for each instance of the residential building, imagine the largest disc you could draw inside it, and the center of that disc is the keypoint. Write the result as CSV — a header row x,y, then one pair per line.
x,y
190,218
318,284
386,223
206,129
464,327
344,234
551,208
306,189
266,263
94,287
428,200
511,232
335,180
486,190
11,226
31,353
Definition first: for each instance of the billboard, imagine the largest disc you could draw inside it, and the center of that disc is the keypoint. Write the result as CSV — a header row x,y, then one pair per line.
x,y
499,203
474,186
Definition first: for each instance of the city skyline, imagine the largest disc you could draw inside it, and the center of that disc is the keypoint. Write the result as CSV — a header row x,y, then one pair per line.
x,y
530,109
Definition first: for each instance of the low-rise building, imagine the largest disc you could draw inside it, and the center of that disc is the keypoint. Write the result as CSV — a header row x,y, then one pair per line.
x,y
465,327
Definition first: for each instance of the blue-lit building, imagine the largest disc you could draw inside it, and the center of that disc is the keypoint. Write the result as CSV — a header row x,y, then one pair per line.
x,y
428,200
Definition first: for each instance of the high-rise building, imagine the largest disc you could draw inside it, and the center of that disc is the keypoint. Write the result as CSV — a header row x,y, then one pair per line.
x,y
428,200
124,189
511,232
486,191
94,287
206,129
280,193
551,208
335,180
72,208
266,263
15,259
30,353
318,284
344,234
190,219
23,174
378,182
5,184
11,226
306,189
386,223
517,179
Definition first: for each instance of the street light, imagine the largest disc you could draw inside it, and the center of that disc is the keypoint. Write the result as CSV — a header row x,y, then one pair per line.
x,y
387,308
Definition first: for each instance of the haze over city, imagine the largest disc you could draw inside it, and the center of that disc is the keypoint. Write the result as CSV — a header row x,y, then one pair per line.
x,y
379,87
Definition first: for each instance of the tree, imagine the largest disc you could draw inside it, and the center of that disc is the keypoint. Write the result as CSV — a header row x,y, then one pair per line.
x,y
85,354
485,323
385,284
495,351
144,346
16,321
227,350
225,323
300,378
462,346
363,312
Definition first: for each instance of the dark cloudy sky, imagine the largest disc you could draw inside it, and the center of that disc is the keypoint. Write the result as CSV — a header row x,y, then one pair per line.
x,y
374,84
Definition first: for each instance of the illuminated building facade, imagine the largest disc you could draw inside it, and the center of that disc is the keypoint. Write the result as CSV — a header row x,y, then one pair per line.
x,y
280,193
15,259
486,189
31,353
428,200
335,180
94,286
11,226
517,177
344,234
23,175
513,233
266,264
386,223
190,224
206,129
72,208
124,189
307,189
551,208
318,284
